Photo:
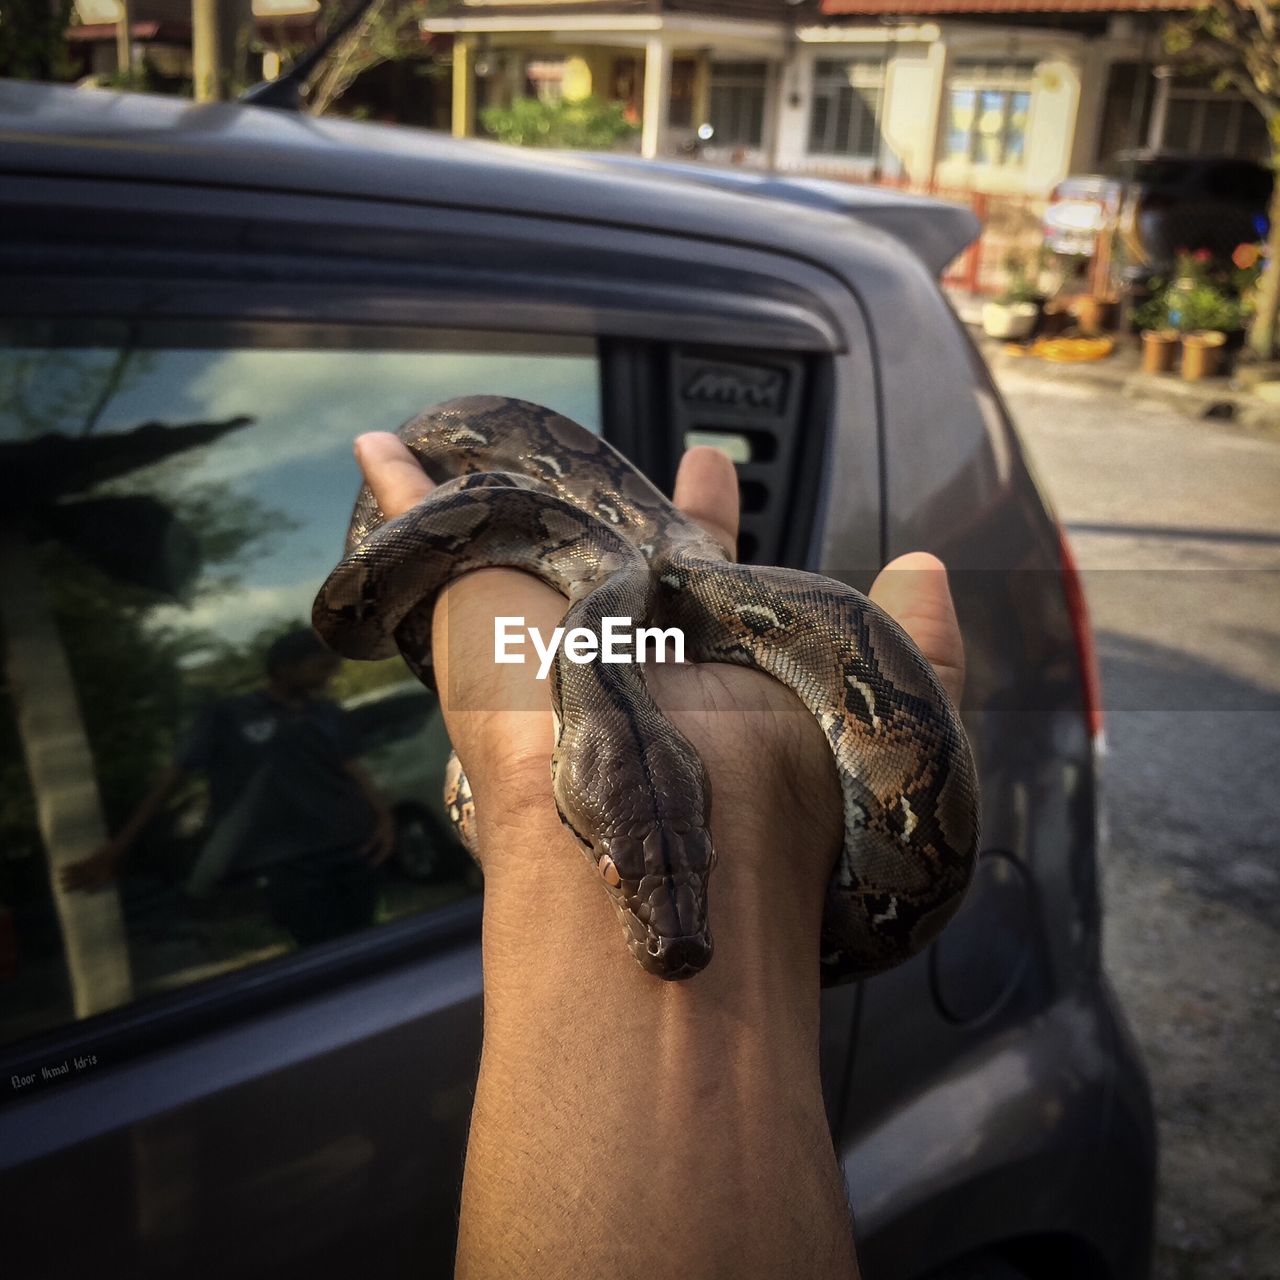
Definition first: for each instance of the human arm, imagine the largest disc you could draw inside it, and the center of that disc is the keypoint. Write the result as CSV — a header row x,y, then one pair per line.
x,y
623,1126
377,849
103,865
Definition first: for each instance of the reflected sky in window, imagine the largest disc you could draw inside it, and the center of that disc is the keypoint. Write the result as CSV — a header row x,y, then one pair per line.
x,y
293,464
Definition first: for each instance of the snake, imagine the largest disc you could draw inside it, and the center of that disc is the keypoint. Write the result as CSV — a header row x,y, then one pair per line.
x,y
520,486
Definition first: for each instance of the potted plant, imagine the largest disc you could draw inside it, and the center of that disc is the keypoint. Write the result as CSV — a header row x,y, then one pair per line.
x,y
1159,337
1204,315
1013,315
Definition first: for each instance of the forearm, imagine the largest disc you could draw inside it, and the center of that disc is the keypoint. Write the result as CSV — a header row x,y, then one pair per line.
x,y
626,1126
145,813
369,789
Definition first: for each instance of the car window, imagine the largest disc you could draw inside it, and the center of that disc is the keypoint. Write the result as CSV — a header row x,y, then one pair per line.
x,y
172,500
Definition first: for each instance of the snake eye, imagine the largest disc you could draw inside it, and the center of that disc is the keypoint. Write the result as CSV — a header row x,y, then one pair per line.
x,y
609,871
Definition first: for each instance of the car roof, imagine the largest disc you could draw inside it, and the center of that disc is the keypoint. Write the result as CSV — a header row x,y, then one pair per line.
x,y
88,133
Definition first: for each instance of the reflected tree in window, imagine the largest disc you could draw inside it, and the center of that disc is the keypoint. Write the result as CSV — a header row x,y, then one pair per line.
x,y
80,564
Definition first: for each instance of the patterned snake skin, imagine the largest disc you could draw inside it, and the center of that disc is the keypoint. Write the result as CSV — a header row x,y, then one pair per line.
x,y
523,487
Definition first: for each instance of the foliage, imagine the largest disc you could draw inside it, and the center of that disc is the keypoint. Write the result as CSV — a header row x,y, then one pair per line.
x,y
1153,314
135,680
1198,267
1203,307
389,32
1201,294
1237,46
1021,284
33,44
587,124
1249,263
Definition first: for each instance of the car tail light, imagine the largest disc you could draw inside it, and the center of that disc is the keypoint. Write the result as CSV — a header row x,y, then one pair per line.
x,y
1082,632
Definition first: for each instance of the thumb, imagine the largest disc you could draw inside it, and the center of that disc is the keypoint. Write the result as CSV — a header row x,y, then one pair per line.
x,y
707,491
913,590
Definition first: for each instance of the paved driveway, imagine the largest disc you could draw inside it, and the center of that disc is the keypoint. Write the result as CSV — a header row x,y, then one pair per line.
x,y
1176,524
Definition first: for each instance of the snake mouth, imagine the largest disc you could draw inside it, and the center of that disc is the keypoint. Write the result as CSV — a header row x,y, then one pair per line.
x,y
674,958
658,883
666,922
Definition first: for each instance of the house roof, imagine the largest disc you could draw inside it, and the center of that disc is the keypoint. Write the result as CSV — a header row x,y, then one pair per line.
x,y
913,8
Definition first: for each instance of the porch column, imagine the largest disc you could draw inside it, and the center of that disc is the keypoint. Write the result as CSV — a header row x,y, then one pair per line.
x,y
464,100
657,96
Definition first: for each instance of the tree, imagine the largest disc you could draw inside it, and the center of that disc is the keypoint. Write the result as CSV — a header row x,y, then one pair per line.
x,y
1237,44
388,31
33,39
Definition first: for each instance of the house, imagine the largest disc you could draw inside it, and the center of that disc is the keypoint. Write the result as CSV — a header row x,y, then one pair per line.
x,y
1001,96
159,35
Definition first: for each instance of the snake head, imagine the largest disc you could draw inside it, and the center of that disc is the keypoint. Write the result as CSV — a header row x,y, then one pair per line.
x,y
657,879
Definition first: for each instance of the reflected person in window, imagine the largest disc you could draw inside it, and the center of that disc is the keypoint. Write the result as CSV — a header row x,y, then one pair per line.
x,y
287,800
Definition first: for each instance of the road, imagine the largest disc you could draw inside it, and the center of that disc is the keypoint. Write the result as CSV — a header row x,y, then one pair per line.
x,y
1176,525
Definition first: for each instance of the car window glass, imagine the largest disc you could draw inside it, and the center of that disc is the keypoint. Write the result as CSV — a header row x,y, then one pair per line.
x,y
172,501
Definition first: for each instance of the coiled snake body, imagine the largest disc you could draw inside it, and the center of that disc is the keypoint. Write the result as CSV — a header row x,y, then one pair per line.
x,y
525,488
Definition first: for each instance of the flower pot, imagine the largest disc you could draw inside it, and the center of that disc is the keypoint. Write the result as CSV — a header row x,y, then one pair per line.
x,y
1159,346
1096,315
1009,320
1201,353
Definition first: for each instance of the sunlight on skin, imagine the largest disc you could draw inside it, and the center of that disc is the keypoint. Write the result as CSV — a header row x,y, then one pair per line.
x,y
609,1101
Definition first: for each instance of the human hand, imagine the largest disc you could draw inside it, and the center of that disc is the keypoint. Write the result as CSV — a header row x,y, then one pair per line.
x,y
771,770
93,872
378,848
600,1086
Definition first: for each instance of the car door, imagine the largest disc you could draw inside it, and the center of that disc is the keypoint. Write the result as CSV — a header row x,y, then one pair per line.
x,y
194,1080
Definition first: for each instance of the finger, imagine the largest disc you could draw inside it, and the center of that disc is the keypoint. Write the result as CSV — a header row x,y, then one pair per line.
x,y
707,491
393,474
914,591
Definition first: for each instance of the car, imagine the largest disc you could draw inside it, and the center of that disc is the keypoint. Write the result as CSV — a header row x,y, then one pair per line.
x,y
202,305
1163,203
401,737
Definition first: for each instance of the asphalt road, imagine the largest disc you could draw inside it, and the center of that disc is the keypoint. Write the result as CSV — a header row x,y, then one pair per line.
x,y
1176,525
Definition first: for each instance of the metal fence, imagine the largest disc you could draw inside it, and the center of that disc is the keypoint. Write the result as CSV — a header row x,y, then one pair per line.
x,y
1012,229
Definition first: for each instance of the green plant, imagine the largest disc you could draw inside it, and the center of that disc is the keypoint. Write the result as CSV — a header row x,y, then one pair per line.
x,y
1020,285
33,40
1153,314
1204,307
1233,45
586,124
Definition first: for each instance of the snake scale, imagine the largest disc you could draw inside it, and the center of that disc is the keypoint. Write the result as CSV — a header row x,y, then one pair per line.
x,y
523,487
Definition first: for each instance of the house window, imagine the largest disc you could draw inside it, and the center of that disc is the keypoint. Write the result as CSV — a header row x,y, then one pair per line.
x,y
1208,123
545,77
737,103
847,100
987,111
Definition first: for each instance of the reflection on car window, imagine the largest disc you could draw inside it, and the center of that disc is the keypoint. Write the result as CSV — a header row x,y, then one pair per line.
x,y
189,782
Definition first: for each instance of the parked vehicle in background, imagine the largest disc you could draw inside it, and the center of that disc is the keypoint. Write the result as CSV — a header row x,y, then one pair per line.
x,y
201,306
401,737
1162,202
